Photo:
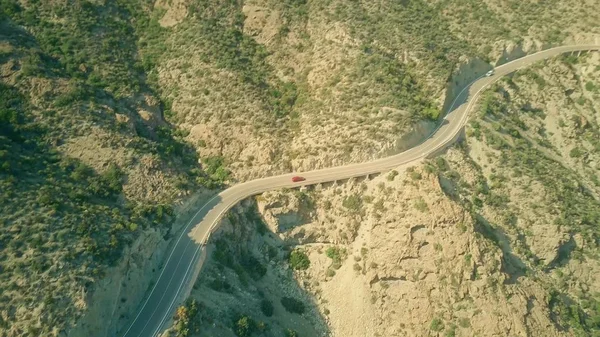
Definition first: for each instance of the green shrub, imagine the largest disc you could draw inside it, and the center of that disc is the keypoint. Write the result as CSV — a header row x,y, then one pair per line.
x,y
186,322
441,164
291,333
451,332
220,285
215,167
353,202
244,326
293,305
252,265
436,325
431,113
113,177
414,175
299,260
336,255
589,86
421,205
266,307
576,152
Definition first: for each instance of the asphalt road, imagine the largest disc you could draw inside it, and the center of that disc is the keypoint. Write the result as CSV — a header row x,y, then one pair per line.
x,y
182,266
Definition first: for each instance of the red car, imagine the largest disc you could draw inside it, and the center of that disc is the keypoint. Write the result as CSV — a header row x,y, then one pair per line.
x,y
297,179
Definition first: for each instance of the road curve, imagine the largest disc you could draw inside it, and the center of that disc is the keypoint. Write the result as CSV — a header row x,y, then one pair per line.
x,y
181,267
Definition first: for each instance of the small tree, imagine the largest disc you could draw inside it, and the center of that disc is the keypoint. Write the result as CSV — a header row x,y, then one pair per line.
x,y
299,260
293,305
291,333
589,86
244,326
266,307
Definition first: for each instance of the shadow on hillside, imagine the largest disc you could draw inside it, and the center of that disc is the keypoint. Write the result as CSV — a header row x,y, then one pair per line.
x,y
179,267
511,264
563,256
247,276
457,92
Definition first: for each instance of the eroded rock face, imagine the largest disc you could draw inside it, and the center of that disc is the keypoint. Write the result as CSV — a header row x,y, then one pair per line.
x,y
246,269
283,211
416,264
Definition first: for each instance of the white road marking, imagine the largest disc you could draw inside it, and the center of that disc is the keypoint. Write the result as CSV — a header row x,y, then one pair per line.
x,y
169,259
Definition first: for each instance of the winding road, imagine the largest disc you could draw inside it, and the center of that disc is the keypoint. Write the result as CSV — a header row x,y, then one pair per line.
x,y
183,263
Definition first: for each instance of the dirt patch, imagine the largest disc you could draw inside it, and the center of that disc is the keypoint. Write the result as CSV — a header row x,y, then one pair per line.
x,y
176,11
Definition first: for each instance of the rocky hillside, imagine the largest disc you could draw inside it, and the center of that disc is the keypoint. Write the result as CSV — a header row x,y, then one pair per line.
x,y
274,86
113,112
496,237
89,170
246,288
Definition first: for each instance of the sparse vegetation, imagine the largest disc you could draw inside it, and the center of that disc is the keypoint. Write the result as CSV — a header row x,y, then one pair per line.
x,y
93,95
527,156
63,201
186,319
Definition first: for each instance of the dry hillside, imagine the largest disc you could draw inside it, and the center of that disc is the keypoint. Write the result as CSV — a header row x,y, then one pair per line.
x,y
114,112
89,170
309,84
496,237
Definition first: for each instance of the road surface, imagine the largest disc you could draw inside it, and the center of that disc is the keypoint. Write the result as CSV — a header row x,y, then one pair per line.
x,y
182,266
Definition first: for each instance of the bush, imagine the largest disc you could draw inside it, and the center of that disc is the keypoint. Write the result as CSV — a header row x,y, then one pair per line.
x,y
441,164
244,326
575,153
113,177
220,285
185,319
451,332
299,260
431,113
421,205
337,255
291,333
215,167
353,203
252,265
414,175
266,307
436,325
293,305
